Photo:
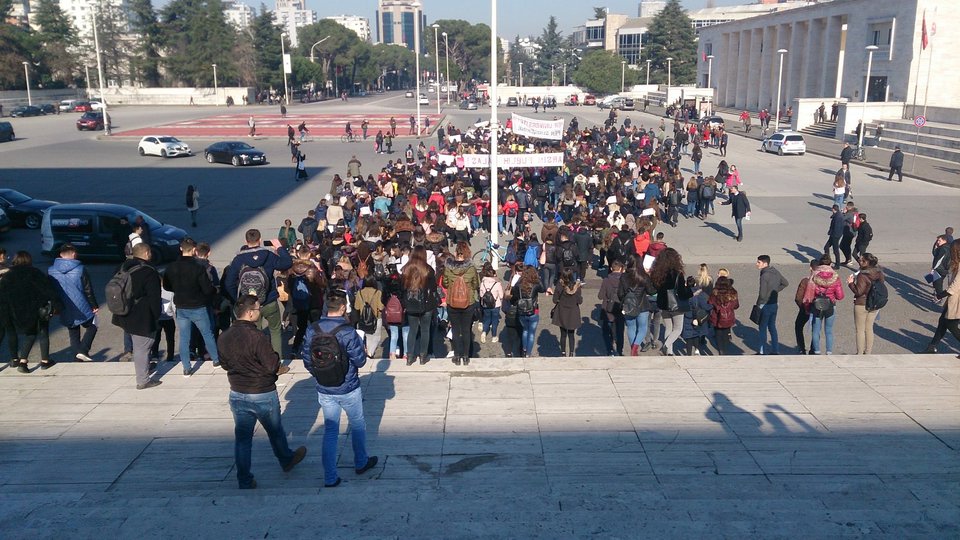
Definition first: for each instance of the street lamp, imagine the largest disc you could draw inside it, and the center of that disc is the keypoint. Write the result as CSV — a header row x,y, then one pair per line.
x,y
866,84
446,54
552,83
521,74
103,98
494,151
436,58
314,46
648,72
564,74
709,69
283,66
26,71
669,80
416,50
776,122
216,93
623,73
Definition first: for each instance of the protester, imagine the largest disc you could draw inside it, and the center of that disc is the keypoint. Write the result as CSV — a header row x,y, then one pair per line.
x,y
823,293
80,304
863,285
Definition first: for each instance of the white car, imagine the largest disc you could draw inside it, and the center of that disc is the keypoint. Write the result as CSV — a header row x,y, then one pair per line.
x,y
784,142
96,104
408,94
163,146
67,105
424,100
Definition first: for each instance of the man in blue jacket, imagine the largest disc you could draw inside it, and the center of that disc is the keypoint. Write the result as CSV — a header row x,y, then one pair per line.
x,y
347,396
80,305
271,259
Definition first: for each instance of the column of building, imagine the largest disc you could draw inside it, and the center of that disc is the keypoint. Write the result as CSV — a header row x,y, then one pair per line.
x,y
742,67
813,66
830,63
721,71
752,75
798,51
767,68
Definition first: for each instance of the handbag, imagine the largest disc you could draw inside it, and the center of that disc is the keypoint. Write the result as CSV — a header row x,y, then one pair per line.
x,y
755,315
45,312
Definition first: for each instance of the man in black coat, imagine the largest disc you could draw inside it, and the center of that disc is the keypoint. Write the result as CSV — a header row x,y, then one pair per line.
x,y
896,165
846,154
143,318
740,207
834,235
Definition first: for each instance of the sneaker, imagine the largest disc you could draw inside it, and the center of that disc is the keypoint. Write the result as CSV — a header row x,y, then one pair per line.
x,y
494,339
483,337
149,384
126,357
84,358
22,368
371,463
450,354
187,372
298,456
333,485
253,485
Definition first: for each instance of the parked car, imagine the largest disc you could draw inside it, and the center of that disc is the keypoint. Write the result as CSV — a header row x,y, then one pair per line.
x,y
23,209
163,146
96,104
572,99
6,132
4,222
713,121
82,106
628,104
235,153
611,102
589,99
100,231
90,121
67,105
513,102
468,105
25,110
785,142
48,108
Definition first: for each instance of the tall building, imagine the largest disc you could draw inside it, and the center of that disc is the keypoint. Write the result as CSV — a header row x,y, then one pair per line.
x,y
293,14
81,12
360,25
650,8
20,12
395,20
238,14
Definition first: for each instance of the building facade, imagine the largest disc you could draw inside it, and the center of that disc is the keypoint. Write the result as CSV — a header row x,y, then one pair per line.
x,y
826,54
293,14
360,25
395,22
238,14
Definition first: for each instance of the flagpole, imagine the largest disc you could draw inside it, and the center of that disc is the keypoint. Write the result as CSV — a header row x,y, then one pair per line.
x,y
916,89
926,90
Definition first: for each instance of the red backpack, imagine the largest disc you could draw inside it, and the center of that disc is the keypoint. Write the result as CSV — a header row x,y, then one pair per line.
x,y
393,310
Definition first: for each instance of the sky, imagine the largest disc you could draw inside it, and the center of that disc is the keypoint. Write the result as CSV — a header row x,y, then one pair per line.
x,y
515,17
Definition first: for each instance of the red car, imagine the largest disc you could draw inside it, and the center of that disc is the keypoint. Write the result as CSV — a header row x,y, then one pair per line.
x,y
82,106
90,121
589,99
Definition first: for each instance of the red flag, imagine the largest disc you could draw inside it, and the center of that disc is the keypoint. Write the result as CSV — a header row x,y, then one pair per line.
x,y
924,40
704,56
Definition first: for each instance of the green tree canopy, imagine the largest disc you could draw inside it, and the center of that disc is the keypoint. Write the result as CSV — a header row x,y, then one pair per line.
x,y
55,57
551,53
600,71
194,35
672,35
145,62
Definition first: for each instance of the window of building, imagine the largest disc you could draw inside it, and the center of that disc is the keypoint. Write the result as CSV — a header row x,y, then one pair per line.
x,y
881,34
596,33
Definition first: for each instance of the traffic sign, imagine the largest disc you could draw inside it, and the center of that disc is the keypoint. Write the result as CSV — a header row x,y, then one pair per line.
x,y
920,121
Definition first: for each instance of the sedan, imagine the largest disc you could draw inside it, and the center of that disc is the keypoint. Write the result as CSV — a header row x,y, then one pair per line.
x,y
23,209
235,153
96,104
82,106
589,99
713,122
4,222
408,94
512,102
163,146
468,105
25,110
424,100
48,108
784,142
90,121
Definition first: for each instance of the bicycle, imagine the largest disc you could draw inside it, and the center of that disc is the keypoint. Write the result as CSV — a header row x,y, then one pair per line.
x,y
858,153
349,137
485,255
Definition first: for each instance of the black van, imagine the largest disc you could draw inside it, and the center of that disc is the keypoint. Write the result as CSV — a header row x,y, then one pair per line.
x,y
98,232
6,132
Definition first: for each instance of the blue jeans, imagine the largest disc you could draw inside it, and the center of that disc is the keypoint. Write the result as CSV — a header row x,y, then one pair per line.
x,y
691,205
396,331
739,227
247,409
827,324
529,324
838,200
491,318
768,321
637,327
352,403
200,318
696,167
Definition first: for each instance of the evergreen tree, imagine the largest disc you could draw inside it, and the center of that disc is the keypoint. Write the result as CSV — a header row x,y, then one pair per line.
x,y
519,56
672,35
14,49
56,42
116,48
599,13
551,52
145,63
600,71
194,35
266,43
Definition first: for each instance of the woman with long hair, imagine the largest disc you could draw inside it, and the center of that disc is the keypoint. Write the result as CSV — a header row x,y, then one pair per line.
x,y
704,281
566,314
419,302
723,316
950,316
632,291
460,315
861,283
28,299
672,295
524,296
491,303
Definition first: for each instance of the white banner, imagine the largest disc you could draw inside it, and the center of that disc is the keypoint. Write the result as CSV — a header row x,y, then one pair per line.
x,y
287,67
541,129
513,161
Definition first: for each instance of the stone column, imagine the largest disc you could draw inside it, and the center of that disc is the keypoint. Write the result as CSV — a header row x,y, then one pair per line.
x,y
813,69
768,69
734,65
721,72
798,52
752,75
830,62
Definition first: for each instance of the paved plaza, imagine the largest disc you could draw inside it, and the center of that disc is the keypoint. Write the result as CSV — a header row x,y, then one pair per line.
x,y
738,446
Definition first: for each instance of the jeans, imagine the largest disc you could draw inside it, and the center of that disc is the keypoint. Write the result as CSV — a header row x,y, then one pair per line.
x,y
398,337
637,327
739,228
82,345
834,244
271,314
838,200
612,331
863,322
419,327
141,360
529,324
247,410
696,167
691,205
200,318
827,325
491,319
352,403
672,328
548,274
768,322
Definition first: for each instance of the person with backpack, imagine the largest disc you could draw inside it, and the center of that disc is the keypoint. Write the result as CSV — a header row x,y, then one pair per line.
x,y
566,312
724,303
823,293
673,295
333,353
706,195
368,306
252,367
864,236
950,316
393,316
524,296
566,255
531,257
869,297
133,296
491,301
803,316
420,301
192,291
253,270
696,319
583,238
79,301
611,320
633,291
462,283
193,203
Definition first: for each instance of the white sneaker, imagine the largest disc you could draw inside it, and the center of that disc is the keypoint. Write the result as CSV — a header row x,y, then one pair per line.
x,y
696,352
494,339
483,337
84,358
450,354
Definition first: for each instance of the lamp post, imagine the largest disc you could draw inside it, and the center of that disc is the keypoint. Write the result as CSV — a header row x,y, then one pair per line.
x,y
552,83
709,70
623,74
216,93
86,70
26,72
564,74
446,55
436,58
521,74
103,98
283,66
494,181
866,85
669,79
416,51
648,72
776,121
312,61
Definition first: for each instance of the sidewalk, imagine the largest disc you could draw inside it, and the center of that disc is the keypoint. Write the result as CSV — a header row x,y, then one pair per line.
x,y
750,446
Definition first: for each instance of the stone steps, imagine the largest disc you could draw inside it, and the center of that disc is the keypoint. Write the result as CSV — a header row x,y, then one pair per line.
x,y
826,129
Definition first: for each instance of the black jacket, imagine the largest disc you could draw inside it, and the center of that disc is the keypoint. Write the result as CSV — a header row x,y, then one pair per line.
x,y
846,155
23,291
896,159
249,359
144,316
584,240
739,205
836,226
189,282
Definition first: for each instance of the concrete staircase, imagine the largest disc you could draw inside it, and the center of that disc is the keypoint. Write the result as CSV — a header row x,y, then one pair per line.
x,y
937,140
827,130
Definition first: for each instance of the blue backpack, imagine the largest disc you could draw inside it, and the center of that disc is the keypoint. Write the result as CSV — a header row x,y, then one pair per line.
x,y
299,292
532,256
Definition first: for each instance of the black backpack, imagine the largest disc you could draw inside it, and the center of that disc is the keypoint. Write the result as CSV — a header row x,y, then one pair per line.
x,y
877,295
674,198
367,321
119,291
567,257
632,303
822,307
525,306
707,192
487,300
416,303
328,361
